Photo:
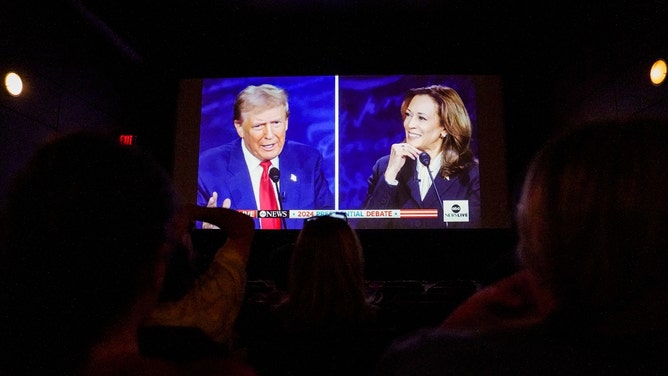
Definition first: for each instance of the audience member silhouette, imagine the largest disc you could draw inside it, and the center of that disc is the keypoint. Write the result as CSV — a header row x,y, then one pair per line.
x,y
88,228
592,292
325,325
213,301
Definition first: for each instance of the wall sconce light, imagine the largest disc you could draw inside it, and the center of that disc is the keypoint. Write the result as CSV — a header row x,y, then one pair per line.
x,y
13,84
658,72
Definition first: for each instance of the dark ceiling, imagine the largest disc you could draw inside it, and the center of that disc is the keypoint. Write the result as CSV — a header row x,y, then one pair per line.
x,y
195,38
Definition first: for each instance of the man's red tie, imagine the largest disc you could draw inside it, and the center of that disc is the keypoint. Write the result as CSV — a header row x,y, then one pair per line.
x,y
268,198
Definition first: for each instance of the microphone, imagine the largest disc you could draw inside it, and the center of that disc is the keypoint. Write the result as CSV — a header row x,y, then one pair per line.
x,y
275,176
425,159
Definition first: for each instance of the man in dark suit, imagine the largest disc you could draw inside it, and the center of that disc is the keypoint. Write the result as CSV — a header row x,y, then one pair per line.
x,y
233,172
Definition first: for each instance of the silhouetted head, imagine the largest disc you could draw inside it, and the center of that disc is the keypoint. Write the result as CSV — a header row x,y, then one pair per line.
x,y
326,277
84,237
594,213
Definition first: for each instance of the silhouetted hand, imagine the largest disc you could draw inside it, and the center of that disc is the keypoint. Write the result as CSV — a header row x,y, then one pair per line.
x,y
213,203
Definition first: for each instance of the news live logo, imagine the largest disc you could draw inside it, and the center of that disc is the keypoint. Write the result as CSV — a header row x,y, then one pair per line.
x,y
273,213
455,210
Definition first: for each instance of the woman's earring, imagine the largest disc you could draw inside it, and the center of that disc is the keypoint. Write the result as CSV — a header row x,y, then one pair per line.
x,y
443,135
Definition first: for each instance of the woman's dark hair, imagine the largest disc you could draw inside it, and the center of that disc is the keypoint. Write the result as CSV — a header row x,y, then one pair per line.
x,y
326,275
454,119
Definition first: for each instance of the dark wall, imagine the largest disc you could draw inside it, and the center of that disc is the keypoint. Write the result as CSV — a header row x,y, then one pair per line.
x,y
75,77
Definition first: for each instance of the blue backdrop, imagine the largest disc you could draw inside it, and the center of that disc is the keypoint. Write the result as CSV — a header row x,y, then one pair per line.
x,y
370,122
312,112
369,119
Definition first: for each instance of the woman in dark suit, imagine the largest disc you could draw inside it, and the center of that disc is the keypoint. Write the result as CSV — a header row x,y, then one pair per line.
x,y
433,168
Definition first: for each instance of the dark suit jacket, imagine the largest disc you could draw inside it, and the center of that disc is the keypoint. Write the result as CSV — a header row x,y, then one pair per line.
x,y
302,183
406,195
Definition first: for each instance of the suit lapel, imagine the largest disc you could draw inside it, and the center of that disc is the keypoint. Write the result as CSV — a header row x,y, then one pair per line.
x,y
431,198
408,176
241,187
291,174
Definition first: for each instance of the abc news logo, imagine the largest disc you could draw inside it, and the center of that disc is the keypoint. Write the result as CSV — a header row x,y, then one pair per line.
x,y
272,214
455,210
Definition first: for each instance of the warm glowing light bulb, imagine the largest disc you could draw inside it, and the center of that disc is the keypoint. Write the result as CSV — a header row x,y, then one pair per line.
x,y
658,72
13,84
